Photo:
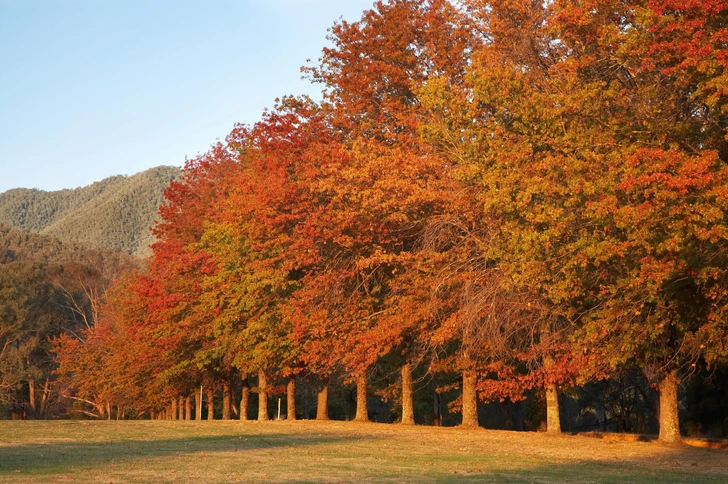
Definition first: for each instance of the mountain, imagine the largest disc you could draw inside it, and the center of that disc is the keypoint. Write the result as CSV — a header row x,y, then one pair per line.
x,y
115,213
18,245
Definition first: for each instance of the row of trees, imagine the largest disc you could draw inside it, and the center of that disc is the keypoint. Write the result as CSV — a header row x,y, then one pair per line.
x,y
532,194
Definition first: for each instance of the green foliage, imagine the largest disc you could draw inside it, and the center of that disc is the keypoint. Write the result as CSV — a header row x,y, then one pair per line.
x,y
32,311
47,289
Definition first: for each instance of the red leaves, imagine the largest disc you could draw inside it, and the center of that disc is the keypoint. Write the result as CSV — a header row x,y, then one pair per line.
x,y
653,170
474,178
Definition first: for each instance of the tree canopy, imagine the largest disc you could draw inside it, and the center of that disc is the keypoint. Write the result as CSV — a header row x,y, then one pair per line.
x,y
530,194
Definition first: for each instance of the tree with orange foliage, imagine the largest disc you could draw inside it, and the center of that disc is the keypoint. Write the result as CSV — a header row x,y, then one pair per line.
x,y
605,176
190,353
383,186
113,363
251,242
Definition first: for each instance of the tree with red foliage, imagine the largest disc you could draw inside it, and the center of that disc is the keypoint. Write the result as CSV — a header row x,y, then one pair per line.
x,y
251,241
372,71
377,194
188,350
605,178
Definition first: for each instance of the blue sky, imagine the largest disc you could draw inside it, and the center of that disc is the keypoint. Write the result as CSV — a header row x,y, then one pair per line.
x,y
94,88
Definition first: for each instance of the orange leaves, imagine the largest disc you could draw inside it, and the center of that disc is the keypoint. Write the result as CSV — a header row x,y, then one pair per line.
x,y
475,177
375,65
603,165
673,170
675,190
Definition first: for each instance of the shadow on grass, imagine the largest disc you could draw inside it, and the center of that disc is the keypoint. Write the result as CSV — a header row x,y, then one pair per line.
x,y
678,463
66,456
307,452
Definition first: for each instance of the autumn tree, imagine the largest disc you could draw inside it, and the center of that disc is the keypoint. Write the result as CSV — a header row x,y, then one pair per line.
x,y
377,193
251,242
375,65
607,191
161,305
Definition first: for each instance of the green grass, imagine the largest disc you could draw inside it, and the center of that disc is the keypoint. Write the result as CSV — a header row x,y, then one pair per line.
x,y
162,451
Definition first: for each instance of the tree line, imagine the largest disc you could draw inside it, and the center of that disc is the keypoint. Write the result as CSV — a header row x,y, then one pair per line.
x,y
531,195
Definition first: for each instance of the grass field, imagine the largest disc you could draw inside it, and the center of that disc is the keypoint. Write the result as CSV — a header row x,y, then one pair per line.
x,y
306,451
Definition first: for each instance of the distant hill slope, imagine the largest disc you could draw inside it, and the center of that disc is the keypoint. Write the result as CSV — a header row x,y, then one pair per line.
x,y
18,245
115,213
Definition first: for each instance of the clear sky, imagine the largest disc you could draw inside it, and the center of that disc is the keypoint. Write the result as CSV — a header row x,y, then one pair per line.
x,y
94,88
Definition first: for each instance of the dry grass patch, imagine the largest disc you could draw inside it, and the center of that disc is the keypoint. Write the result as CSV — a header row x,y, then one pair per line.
x,y
304,451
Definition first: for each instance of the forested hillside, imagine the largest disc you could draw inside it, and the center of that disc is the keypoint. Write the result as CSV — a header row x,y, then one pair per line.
x,y
20,245
115,213
47,288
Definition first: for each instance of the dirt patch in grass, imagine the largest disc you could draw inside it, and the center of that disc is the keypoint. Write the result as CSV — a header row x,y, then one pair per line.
x,y
305,451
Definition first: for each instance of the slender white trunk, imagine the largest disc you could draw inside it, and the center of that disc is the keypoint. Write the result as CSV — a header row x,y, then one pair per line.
x,y
198,397
31,398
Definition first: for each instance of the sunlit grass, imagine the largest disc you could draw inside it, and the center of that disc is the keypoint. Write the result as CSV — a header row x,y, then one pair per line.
x,y
162,451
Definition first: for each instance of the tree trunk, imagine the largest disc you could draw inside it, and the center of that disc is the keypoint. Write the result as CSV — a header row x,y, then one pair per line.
x,y
408,412
470,400
210,404
601,415
322,403
362,413
198,404
108,411
226,401
188,408
244,400
181,407
174,409
437,410
262,397
291,399
198,398
44,399
669,421
553,416
31,398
